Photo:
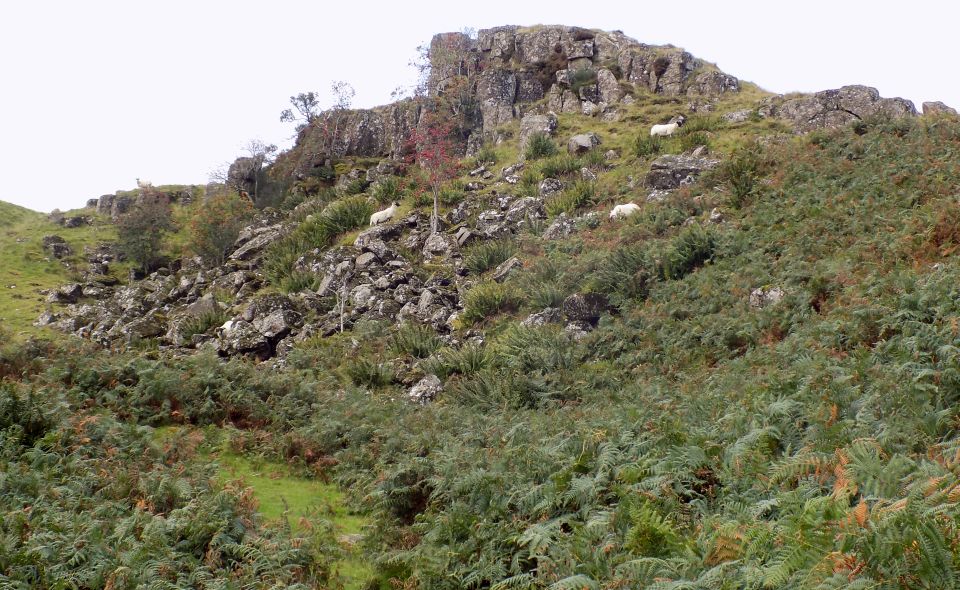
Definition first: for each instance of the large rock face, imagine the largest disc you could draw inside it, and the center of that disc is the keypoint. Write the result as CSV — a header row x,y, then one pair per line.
x,y
506,70
835,108
380,132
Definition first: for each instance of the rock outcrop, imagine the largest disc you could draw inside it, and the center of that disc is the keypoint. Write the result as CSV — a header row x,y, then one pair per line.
x,y
835,108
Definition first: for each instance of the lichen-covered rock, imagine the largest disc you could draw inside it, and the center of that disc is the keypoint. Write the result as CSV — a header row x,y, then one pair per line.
x,y
608,87
57,246
426,390
765,296
256,241
712,83
938,108
585,307
241,338
550,186
835,108
496,92
582,143
533,124
672,171
550,315
506,268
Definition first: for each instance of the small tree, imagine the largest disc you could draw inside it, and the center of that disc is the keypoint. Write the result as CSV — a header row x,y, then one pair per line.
x,y
141,230
433,149
216,225
305,110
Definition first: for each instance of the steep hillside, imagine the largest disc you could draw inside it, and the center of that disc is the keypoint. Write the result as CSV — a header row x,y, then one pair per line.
x,y
749,380
27,267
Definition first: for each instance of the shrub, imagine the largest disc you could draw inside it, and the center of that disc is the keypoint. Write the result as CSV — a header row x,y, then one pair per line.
x,y
492,390
485,156
488,299
529,184
354,187
364,372
689,141
739,173
416,340
701,123
625,271
141,231
559,166
581,78
203,323
215,226
539,146
483,256
387,190
339,217
467,360
580,194
280,256
689,250
647,145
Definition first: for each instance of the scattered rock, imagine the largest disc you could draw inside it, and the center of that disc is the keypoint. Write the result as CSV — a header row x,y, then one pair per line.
x,y
765,296
550,315
426,390
550,186
579,144
938,108
533,123
585,307
507,267
673,171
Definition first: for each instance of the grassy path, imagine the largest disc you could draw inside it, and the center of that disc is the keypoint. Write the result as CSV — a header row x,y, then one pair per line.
x,y
282,493
279,492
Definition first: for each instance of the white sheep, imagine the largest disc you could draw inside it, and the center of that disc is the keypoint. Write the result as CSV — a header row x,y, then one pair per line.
x,y
625,210
667,128
385,215
144,183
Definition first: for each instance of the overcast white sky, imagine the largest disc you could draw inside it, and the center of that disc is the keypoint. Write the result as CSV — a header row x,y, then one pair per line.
x,y
95,94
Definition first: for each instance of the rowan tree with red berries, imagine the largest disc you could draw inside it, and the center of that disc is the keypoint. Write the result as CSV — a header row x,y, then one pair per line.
x,y
433,148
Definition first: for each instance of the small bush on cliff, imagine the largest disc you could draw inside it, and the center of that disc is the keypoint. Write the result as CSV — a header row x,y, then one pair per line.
x,y
142,230
216,224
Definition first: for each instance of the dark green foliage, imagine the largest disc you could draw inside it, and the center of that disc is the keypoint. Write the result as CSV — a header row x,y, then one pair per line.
x,y
485,255
203,323
579,194
467,360
387,190
488,299
581,78
485,156
539,145
559,166
740,173
647,145
336,218
368,373
22,419
689,250
416,340
141,231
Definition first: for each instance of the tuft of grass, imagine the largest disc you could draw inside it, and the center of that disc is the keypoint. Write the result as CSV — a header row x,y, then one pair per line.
x,y
560,166
416,340
489,299
647,145
205,322
364,372
387,190
486,255
540,146
575,196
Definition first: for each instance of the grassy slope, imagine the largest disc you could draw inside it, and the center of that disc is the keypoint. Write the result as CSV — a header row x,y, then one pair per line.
x,y
25,268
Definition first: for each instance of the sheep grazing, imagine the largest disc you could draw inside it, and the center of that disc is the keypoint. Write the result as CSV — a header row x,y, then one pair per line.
x,y
667,128
625,210
144,184
385,215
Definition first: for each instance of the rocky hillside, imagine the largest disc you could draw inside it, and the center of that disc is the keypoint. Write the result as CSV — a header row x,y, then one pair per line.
x,y
749,381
